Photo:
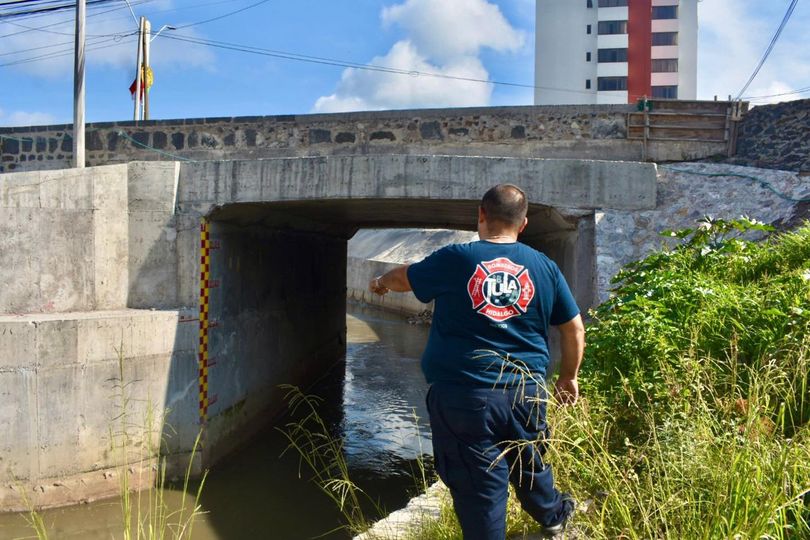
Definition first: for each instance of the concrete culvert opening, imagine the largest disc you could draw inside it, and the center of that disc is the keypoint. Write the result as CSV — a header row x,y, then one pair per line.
x,y
279,289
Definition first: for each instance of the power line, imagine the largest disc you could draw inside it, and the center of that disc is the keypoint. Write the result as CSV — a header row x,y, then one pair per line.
x,y
771,45
218,17
65,21
115,35
47,6
349,64
792,92
67,52
41,29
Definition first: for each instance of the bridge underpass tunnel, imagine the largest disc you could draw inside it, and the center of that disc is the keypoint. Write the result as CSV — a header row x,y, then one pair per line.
x,y
279,289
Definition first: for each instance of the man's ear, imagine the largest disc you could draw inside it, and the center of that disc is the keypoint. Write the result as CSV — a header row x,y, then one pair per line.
x,y
525,222
482,217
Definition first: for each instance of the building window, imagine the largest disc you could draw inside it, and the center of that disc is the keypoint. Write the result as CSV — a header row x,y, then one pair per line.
x,y
587,84
612,55
612,27
610,84
590,3
665,65
588,56
665,12
588,29
664,38
665,92
612,3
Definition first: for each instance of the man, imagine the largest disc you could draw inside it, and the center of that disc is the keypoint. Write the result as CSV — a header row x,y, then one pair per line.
x,y
486,361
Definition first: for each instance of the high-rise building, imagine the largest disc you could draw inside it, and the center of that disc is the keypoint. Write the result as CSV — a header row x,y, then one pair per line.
x,y
615,51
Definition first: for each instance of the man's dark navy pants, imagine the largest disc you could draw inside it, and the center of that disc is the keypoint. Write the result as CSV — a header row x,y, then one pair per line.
x,y
471,427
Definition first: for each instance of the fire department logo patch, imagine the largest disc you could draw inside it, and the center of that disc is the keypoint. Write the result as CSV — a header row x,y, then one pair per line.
x,y
500,289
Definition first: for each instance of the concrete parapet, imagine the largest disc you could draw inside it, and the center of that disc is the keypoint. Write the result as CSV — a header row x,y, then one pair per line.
x,y
63,240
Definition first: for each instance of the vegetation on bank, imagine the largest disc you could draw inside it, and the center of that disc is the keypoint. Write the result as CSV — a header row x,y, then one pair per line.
x,y
693,421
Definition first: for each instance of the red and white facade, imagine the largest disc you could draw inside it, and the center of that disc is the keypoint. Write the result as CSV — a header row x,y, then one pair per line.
x,y
615,51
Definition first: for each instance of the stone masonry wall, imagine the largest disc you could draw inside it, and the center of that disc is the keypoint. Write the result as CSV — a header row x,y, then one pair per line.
x,y
508,131
685,196
776,137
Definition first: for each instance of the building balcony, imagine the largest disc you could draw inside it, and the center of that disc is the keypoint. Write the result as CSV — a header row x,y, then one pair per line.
x,y
664,79
612,41
665,25
613,14
612,69
670,51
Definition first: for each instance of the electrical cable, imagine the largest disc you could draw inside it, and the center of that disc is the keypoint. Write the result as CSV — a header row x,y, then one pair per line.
x,y
349,64
799,91
218,17
67,52
66,21
771,45
33,29
60,6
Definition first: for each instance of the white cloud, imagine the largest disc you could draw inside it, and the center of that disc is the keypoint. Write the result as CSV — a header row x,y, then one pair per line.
x,y
368,90
451,28
733,36
23,118
443,38
109,44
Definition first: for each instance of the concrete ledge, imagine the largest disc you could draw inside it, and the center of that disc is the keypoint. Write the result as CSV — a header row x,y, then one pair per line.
x,y
76,489
398,525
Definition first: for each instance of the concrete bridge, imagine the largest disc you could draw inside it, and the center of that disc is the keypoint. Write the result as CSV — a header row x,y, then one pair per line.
x,y
214,282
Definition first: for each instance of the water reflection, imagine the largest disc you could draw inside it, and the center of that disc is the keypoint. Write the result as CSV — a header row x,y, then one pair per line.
x,y
255,494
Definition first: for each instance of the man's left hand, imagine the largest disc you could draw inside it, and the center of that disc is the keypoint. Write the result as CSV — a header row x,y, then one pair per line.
x,y
566,391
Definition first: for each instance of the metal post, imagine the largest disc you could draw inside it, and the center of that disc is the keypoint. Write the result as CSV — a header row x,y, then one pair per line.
x,y
139,72
147,31
78,87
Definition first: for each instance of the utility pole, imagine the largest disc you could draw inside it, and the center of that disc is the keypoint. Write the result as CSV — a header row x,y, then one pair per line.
x,y
147,32
78,87
139,73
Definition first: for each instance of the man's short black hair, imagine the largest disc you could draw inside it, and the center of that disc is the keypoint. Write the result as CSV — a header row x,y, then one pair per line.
x,y
505,204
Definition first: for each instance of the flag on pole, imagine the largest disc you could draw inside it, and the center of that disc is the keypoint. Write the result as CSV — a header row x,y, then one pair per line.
x,y
147,79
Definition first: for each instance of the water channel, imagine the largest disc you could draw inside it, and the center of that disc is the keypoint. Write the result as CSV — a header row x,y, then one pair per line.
x,y
256,493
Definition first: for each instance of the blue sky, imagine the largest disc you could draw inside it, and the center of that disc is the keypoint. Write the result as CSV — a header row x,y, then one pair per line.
x,y
482,39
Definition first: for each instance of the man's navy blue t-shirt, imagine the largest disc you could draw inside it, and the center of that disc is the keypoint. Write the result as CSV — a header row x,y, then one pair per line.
x,y
492,302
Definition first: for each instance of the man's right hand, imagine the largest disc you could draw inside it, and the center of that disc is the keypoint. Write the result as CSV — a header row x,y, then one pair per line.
x,y
376,287
566,391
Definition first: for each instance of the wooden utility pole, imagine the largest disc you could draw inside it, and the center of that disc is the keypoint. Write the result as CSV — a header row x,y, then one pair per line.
x,y
147,32
139,73
78,87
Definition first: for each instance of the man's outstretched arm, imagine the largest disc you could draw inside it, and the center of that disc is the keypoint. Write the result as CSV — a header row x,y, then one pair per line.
x,y
395,280
572,347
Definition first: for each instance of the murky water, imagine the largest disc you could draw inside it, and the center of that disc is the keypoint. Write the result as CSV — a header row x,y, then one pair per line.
x,y
256,494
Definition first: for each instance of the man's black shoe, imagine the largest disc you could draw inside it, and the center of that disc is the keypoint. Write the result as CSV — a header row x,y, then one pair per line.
x,y
568,507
